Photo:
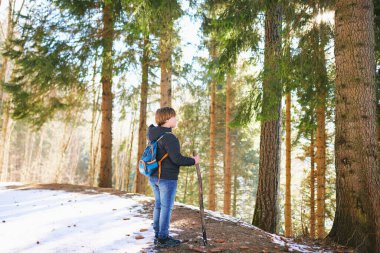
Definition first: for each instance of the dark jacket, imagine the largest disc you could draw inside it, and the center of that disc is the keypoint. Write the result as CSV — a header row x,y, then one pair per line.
x,y
168,144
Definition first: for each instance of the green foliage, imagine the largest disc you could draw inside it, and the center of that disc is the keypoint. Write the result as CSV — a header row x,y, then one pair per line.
x,y
49,75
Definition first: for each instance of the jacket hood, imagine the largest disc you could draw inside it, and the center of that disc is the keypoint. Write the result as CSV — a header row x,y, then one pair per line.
x,y
155,132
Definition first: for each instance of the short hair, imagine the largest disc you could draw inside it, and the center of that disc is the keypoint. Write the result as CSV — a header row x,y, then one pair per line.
x,y
163,114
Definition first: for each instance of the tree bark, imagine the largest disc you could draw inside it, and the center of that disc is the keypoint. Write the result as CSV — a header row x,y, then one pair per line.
x,y
3,137
266,214
357,217
211,193
95,99
129,164
236,185
4,105
140,180
288,204
105,177
227,150
321,169
312,189
166,64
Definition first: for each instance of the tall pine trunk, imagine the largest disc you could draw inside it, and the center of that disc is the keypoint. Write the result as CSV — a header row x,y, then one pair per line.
x,y
105,177
236,185
312,187
357,217
227,150
321,169
320,111
3,137
288,204
95,99
4,105
129,158
166,64
140,181
266,214
211,193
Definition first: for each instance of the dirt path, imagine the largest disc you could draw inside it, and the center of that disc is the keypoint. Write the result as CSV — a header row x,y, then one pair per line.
x,y
225,233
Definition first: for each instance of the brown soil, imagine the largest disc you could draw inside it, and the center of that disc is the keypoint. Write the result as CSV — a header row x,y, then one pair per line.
x,y
223,235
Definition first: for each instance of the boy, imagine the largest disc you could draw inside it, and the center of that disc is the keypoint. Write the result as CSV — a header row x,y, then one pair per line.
x,y
164,188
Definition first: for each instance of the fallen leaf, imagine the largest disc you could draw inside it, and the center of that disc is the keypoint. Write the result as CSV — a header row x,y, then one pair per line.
x,y
216,250
244,247
143,230
38,242
139,237
126,218
199,250
219,240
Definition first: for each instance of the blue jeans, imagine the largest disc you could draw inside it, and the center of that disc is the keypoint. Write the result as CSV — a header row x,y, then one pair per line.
x,y
164,195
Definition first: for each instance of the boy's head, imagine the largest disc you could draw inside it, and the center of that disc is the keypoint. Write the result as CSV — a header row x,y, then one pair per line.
x,y
166,115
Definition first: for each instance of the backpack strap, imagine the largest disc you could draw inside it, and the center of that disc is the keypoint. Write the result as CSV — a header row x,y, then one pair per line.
x,y
159,167
160,161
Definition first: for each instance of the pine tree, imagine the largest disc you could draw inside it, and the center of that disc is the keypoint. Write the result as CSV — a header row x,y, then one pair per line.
x,y
288,206
140,181
227,149
357,217
211,193
266,209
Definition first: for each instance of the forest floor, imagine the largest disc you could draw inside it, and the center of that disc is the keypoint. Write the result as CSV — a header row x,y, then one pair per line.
x,y
225,233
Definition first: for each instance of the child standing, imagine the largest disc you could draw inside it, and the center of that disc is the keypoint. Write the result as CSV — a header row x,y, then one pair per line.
x,y
164,186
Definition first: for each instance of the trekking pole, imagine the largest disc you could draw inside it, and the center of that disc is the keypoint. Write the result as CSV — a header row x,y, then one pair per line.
x,y
201,209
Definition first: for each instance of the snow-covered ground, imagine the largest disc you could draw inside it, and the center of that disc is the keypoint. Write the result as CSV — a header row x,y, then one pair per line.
x,y
56,221
59,221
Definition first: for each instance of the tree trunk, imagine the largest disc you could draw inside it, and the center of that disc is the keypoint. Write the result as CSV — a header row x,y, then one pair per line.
x,y
7,146
166,64
66,138
312,190
185,187
140,180
5,97
95,99
227,151
5,60
357,217
74,160
27,147
266,214
96,159
288,204
129,164
234,203
3,137
105,177
211,193
321,169
321,89
36,169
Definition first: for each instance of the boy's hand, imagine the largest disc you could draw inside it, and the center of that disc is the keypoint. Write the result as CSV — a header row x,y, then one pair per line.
x,y
197,159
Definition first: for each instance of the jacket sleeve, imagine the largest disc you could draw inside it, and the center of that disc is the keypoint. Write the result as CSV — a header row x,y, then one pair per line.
x,y
172,147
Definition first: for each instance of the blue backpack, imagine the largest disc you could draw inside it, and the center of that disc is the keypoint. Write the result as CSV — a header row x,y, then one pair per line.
x,y
148,163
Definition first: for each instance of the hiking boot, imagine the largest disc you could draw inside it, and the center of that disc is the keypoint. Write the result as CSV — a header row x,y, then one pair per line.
x,y
167,242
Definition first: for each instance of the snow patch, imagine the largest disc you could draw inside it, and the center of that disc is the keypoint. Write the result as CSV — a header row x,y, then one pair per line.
x,y
59,221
